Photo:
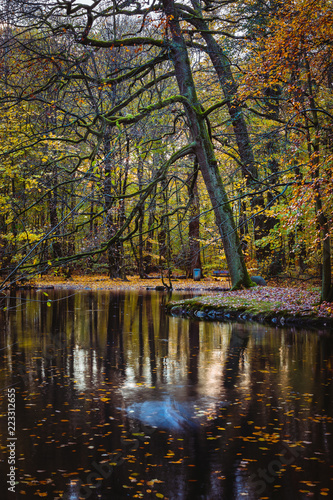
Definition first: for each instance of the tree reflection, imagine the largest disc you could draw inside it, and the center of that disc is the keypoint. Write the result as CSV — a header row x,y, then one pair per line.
x,y
235,356
114,338
191,409
151,340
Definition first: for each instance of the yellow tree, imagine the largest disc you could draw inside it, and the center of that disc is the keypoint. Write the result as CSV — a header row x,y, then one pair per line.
x,y
289,69
165,48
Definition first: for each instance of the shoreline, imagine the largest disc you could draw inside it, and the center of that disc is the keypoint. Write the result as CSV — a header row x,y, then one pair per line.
x,y
274,305
100,282
224,313
284,307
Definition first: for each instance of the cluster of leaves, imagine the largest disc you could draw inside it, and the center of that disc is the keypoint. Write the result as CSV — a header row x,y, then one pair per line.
x,y
287,81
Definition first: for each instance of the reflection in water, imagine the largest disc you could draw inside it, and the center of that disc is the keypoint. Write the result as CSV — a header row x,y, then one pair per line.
x,y
235,358
166,414
114,399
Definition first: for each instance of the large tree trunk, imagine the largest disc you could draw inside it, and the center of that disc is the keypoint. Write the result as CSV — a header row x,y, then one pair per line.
x,y
229,88
205,153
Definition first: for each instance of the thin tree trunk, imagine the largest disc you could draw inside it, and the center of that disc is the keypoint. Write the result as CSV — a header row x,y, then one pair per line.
x,y
194,227
108,201
115,250
141,221
164,250
149,243
54,221
326,280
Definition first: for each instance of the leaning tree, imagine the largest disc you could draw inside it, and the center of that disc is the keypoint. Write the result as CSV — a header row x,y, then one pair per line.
x,y
94,108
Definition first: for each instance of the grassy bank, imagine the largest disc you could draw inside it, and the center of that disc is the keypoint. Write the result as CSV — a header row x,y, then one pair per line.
x,y
295,303
274,305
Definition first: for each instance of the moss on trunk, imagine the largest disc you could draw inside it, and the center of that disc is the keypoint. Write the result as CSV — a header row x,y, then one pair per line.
x,y
205,152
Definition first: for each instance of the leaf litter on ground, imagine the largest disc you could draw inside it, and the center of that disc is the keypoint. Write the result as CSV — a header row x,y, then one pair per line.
x,y
293,299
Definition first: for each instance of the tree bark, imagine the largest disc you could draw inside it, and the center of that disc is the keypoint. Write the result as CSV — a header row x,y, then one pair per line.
x,y
115,250
205,153
326,279
54,222
229,88
148,268
141,221
164,232
194,227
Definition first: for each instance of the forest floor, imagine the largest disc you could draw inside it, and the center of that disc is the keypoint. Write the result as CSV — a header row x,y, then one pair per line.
x,y
293,302
102,282
277,305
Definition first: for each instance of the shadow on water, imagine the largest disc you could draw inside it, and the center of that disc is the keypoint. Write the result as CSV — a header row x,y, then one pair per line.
x,y
114,399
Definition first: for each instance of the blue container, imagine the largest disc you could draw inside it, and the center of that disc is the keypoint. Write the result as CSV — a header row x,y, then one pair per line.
x,y
197,274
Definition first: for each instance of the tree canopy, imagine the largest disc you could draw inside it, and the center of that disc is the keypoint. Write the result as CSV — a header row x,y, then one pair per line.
x,y
142,136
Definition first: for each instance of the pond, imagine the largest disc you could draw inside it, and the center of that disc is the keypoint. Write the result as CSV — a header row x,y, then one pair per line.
x,y
112,399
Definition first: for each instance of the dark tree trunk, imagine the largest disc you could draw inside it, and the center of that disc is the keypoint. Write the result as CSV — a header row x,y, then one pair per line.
x,y
54,221
149,243
326,280
141,221
164,233
205,153
229,88
108,201
194,227
115,250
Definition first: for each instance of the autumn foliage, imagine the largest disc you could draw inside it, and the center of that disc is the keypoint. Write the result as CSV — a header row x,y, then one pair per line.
x,y
144,140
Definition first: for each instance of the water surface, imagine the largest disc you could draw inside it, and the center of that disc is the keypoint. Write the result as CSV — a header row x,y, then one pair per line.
x,y
116,400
